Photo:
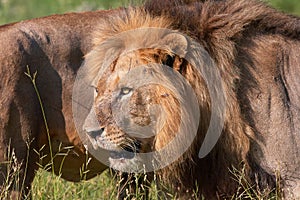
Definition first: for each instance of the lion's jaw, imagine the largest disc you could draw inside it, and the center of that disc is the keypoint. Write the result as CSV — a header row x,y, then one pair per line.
x,y
122,159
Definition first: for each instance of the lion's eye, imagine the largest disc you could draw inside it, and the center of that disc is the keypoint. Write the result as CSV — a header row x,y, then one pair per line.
x,y
125,90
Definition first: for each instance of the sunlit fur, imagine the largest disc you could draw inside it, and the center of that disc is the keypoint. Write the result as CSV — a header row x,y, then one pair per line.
x,y
235,34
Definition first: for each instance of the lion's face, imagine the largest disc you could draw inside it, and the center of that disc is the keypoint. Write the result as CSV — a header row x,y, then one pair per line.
x,y
131,117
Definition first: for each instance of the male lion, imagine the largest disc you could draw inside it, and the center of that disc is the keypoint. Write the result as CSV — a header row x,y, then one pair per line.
x,y
255,49
53,47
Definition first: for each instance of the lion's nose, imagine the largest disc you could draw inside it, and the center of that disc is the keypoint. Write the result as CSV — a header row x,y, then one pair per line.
x,y
94,133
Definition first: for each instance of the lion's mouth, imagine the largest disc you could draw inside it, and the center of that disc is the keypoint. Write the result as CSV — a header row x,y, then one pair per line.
x,y
127,152
121,154
115,151
122,157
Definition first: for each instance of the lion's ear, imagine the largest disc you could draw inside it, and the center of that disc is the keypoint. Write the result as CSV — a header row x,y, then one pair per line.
x,y
176,43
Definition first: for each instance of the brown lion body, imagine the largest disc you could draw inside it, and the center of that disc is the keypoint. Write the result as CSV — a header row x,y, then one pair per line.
x,y
53,47
255,49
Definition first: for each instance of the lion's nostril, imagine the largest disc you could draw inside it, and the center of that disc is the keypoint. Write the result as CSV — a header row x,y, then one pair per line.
x,y
94,134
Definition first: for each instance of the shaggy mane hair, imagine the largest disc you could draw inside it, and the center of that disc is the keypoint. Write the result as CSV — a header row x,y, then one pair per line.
x,y
222,28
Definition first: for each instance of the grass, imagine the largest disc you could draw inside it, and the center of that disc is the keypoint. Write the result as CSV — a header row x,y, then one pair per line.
x,y
100,187
46,186
246,190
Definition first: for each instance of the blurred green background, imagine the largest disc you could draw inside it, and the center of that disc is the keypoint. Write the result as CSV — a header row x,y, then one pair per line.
x,y
16,10
290,6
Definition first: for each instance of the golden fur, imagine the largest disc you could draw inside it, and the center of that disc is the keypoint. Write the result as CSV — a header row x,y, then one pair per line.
x,y
233,33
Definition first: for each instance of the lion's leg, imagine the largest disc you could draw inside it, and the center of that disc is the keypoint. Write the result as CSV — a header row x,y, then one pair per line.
x,y
18,124
16,175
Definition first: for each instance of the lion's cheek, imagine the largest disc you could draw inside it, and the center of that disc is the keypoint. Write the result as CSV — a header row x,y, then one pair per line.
x,y
162,139
141,120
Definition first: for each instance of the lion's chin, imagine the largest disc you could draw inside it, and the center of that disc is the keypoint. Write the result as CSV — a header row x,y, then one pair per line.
x,y
132,165
125,160
122,154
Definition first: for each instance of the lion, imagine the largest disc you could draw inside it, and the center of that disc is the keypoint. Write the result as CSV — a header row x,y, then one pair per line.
x,y
53,47
254,49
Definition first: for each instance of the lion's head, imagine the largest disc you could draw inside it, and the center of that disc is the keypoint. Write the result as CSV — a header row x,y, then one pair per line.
x,y
132,120
142,100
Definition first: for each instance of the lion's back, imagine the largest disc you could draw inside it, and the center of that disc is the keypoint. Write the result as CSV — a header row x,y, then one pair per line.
x,y
53,47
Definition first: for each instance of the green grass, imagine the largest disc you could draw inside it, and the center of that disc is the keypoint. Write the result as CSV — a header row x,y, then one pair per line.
x,y
105,186
48,186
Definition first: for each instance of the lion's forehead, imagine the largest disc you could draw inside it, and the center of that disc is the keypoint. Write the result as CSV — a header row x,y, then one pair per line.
x,y
114,79
125,64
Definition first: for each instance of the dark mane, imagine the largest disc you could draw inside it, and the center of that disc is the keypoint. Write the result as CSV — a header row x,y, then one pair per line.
x,y
251,42
193,15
